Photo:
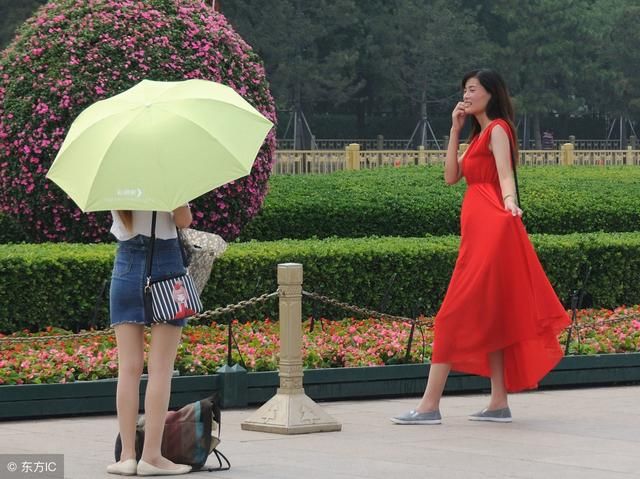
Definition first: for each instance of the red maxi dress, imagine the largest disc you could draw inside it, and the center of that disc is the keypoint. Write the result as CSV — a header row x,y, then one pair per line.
x,y
499,297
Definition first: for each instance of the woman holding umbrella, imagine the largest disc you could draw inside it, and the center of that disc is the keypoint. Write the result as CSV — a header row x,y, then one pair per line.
x,y
133,231
153,148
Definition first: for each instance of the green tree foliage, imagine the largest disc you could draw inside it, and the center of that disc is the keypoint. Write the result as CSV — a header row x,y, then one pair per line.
x,y
549,46
615,85
307,46
12,14
567,58
430,46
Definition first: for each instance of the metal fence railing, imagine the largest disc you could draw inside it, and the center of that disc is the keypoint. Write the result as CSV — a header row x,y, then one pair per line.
x,y
352,157
381,143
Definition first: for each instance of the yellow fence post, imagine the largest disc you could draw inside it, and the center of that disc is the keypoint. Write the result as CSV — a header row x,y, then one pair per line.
x,y
567,155
290,411
422,156
353,157
347,157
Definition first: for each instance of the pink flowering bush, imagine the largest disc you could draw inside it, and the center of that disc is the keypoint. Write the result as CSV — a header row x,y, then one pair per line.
x,y
72,53
330,344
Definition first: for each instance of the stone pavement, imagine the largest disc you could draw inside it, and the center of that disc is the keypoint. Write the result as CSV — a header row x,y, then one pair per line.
x,y
576,433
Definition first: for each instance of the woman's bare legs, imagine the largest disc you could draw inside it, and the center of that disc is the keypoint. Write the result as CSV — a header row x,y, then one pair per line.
x,y
499,397
162,354
130,342
438,374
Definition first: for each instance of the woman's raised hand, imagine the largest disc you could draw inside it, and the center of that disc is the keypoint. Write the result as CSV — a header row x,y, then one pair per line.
x,y
458,116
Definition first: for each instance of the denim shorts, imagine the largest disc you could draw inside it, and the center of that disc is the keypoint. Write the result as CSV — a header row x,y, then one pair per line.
x,y
126,300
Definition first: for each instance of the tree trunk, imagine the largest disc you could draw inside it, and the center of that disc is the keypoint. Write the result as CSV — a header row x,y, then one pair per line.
x,y
525,132
536,130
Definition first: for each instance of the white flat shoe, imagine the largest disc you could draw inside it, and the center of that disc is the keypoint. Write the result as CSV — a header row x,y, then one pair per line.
x,y
124,468
146,469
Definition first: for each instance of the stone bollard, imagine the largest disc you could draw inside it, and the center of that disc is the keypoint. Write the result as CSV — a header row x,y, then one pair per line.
x,y
290,411
566,154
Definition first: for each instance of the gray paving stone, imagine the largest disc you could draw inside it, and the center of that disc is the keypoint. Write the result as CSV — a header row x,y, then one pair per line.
x,y
579,433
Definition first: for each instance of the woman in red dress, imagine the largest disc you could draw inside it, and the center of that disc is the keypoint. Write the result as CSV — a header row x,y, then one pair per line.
x,y
500,317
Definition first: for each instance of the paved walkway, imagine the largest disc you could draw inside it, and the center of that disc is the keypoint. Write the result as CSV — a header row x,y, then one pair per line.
x,y
578,433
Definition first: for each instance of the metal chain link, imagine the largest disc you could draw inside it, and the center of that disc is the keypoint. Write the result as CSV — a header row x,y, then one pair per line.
x,y
234,307
109,332
430,321
356,309
315,296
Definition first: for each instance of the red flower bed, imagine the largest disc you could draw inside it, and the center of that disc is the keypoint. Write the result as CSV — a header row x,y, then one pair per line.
x,y
345,343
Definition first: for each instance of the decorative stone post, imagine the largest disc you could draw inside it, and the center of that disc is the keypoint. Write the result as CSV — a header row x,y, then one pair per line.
x,y
290,411
566,154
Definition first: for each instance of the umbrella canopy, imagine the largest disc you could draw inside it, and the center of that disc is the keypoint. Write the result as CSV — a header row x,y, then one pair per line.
x,y
158,145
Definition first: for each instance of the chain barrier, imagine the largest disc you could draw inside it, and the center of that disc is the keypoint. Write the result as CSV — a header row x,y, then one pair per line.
x,y
110,332
428,322
234,307
362,311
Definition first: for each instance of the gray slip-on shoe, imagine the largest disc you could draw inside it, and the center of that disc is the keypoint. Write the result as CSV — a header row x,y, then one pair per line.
x,y
415,417
496,415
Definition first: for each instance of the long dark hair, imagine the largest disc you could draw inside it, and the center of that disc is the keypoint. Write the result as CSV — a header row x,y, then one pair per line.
x,y
499,105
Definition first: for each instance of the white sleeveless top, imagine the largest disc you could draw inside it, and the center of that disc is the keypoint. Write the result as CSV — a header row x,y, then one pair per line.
x,y
165,226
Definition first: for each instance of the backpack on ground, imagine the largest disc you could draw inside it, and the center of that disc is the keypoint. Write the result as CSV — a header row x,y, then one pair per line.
x,y
191,434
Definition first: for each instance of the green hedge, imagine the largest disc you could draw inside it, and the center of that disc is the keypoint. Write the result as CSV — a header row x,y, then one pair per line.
x,y
51,284
415,201
56,284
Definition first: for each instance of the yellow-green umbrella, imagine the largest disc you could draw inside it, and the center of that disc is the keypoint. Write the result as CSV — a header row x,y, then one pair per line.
x,y
158,145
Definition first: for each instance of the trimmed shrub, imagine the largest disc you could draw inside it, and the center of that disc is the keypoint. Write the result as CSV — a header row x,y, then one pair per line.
x,y
72,53
51,284
415,201
56,285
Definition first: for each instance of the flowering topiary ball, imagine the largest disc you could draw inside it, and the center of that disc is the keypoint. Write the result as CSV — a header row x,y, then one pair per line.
x,y
73,53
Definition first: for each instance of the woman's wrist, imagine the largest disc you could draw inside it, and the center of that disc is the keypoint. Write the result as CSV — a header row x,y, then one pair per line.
x,y
504,198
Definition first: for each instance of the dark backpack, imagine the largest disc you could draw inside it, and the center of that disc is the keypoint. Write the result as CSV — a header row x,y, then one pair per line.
x,y
190,435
